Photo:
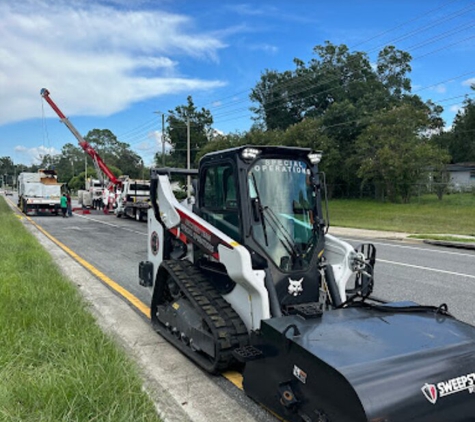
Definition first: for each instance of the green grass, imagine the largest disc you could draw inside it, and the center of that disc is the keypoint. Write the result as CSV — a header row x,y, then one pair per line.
x,y
55,362
455,214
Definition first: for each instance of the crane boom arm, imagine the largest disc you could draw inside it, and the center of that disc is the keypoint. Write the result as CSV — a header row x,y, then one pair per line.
x,y
82,142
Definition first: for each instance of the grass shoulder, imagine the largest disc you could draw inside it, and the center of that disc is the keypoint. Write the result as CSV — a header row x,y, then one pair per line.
x,y
55,362
453,215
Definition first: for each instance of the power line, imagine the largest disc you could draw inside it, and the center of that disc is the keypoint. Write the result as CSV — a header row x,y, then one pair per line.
x,y
422,15
310,86
247,114
438,22
142,133
429,12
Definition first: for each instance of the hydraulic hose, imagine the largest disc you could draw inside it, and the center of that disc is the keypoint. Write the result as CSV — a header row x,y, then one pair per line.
x,y
332,287
273,299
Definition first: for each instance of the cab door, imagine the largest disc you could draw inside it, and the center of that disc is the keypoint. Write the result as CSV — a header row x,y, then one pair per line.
x,y
218,200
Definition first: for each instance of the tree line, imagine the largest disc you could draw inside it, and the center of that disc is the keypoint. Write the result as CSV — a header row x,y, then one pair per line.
x,y
73,165
378,138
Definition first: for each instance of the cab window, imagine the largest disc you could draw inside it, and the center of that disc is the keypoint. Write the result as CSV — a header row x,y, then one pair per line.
x,y
219,205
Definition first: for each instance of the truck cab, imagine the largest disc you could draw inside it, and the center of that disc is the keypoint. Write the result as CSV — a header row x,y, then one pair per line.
x,y
95,188
134,199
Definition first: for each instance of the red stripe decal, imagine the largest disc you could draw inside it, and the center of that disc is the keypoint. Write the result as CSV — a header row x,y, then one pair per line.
x,y
200,235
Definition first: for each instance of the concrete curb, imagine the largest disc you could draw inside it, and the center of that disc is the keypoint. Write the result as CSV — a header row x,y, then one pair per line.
x,y
377,234
451,244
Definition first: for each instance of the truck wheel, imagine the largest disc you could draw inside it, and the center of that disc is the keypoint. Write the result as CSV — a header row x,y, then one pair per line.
x,y
118,215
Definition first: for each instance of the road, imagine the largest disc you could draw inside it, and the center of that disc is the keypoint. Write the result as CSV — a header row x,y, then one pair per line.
x,y
404,271
425,274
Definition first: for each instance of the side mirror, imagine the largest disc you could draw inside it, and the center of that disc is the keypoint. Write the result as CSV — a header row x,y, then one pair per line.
x,y
364,281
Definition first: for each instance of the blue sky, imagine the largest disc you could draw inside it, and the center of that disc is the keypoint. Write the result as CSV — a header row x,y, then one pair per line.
x,y
118,64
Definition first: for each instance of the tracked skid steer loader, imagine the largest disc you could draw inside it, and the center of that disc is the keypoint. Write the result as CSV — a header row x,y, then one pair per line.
x,y
245,275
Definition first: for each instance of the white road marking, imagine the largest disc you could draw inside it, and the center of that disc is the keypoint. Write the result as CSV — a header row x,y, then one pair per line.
x,y
445,252
111,224
419,267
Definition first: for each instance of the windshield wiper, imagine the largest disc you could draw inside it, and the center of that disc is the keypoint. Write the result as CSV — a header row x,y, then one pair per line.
x,y
257,201
278,227
274,223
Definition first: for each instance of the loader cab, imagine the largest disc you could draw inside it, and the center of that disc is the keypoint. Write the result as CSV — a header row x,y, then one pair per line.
x,y
268,199
218,201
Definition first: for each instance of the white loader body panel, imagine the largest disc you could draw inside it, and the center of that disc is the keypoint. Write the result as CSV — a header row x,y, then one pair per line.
x,y
249,298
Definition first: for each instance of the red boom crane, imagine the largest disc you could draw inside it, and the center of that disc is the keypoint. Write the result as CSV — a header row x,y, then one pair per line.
x,y
98,162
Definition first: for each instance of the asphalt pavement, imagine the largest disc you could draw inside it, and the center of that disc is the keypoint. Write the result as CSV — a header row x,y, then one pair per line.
x,y
180,390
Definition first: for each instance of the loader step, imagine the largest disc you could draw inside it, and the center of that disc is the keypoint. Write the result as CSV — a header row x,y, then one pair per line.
x,y
306,310
247,353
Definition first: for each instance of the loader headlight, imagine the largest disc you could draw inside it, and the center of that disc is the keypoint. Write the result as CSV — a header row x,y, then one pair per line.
x,y
315,157
250,153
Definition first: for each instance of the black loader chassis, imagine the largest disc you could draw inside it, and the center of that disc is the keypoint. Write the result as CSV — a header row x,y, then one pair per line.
x,y
189,312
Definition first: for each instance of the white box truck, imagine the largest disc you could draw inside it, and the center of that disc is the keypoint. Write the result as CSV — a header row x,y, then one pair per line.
x,y
39,192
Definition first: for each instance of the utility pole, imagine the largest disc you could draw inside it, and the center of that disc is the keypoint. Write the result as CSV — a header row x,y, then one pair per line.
x,y
188,158
163,140
85,170
163,136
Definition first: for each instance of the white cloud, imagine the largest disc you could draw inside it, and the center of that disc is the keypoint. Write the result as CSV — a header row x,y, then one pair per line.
x,y
148,149
455,108
35,155
440,89
469,82
156,136
115,56
144,146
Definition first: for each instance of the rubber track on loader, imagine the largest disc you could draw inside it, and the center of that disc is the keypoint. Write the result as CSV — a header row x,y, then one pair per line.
x,y
227,328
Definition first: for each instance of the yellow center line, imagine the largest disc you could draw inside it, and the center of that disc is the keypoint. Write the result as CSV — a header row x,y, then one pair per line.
x,y
234,377
100,275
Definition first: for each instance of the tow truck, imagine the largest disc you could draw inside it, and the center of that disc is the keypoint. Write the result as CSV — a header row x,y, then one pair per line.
x,y
113,183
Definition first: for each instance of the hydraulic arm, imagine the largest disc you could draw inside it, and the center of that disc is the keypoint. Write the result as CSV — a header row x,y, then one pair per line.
x,y
98,162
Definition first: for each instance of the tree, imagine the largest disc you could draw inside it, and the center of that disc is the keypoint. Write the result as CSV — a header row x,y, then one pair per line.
x,y
7,171
6,165
278,97
221,142
336,75
461,141
311,133
200,122
392,68
345,94
395,152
